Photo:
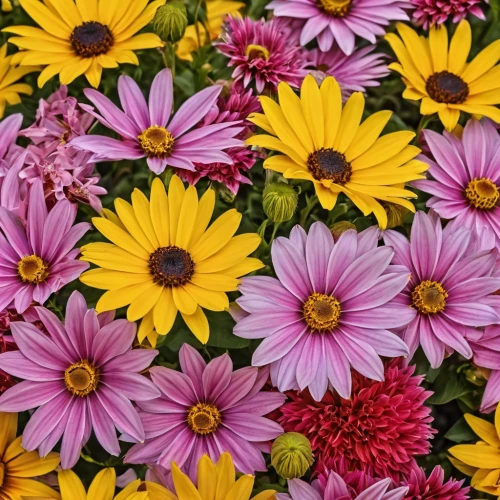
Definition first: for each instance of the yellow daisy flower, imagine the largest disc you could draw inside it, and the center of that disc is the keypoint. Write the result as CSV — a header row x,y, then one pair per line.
x,y
217,10
18,467
83,37
325,143
9,89
439,75
165,258
215,482
481,460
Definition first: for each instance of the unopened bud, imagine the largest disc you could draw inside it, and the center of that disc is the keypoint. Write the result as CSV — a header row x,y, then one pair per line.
x,y
171,20
291,455
280,201
396,214
341,227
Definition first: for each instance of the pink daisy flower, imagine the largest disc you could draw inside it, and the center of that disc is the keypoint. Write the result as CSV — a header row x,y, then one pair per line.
x,y
81,377
330,309
432,12
341,20
450,287
149,131
434,487
209,409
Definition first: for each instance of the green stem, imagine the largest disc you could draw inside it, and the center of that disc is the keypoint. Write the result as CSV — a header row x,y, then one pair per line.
x,y
276,226
196,13
304,214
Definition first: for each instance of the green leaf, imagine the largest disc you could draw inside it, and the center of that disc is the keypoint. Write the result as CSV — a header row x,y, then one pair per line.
x,y
447,387
460,432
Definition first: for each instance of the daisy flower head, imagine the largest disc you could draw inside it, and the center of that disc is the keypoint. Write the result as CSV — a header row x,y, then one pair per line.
x,y
450,286
325,143
464,177
82,38
431,12
207,409
340,21
164,258
149,131
438,74
81,375
329,310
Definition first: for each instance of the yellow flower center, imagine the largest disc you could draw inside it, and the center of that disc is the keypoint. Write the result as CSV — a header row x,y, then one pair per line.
x,y
322,312
328,164
156,141
91,39
337,8
81,378
2,473
445,87
429,297
482,193
203,418
171,266
32,269
257,52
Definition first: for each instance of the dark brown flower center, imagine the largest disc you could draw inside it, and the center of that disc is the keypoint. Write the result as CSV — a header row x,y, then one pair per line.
x,y
445,87
321,312
336,8
203,418
81,378
91,39
171,266
482,194
429,297
32,269
326,163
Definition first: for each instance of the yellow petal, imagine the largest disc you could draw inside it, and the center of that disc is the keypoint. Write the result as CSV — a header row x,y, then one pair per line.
x,y
483,429
312,108
142,212
246,266
265,495
139,42
22,487
218,282
183,301
144,302
159,212
262,122
203,216
416,49
105,279
175,197
103,485
482,63
449,118
164,312
198,324
208,299
184,488
207,478
128,217
497,419
8,430
280,163
460,48
332,109
326,196
115,258
225,475
88,9
114,299
46,18
71,486
483,457
349,121
465,469
29,464
438,42
274,144
94,73
71,71
187,218
146,327
242,489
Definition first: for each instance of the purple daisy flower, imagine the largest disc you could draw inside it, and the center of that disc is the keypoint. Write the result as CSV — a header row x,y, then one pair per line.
x,y
465,175
39,259
259,51
450,287
341,20
81,377
329,310
148,131
207,409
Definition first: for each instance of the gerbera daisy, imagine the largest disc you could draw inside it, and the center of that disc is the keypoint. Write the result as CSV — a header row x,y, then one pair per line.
x,y
439,75
449,286
432,12
164,258
83,37
465,177
341,20
324,143
149,131
209,409
81,376
18,467
258,50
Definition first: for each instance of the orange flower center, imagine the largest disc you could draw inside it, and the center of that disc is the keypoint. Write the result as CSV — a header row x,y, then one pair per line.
x,y
81,378
32,269
482,194
336,8
257,52
321,312
429,297
445,87
156,141
203,418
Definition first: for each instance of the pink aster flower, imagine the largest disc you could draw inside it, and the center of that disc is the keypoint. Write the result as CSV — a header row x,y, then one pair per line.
x,y
434,487
207,409
379,430
329,310
81,377
341,20
450,287
39,259
258,50
148,130
465,178
432,12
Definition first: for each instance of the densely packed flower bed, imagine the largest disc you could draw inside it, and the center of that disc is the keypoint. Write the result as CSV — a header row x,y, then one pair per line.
x,y
249,249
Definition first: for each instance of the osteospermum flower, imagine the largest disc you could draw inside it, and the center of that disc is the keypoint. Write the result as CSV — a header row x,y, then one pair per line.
x,y
81,376
449,286
341,20
329,310
438,74
18,468
323,142
39,259
258,50
379,430
83,37
148,130
464,178
207,409
432,12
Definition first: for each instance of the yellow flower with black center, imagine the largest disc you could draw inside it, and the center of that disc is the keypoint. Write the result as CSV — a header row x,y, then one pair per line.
x,y
438,74
84,37
164,258
327,144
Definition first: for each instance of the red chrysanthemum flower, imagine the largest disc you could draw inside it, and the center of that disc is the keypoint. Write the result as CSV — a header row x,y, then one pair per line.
x,y
431,12
379,430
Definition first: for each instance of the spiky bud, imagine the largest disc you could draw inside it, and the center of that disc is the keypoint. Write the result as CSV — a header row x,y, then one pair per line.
x,y
341,227
291,455
280,201
171,20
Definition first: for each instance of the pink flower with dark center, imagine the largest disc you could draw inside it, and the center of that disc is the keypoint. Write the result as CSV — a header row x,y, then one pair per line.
x,y
431,12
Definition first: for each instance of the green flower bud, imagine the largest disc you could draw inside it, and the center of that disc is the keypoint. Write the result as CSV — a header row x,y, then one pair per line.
x,y
341,227
396,214
291,455
279,201
171,20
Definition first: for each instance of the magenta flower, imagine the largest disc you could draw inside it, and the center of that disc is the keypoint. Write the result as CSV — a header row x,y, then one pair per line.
x,y
465,176
341,20
207,409
9,128
148,131
81,377
432,12
258,50
450,287
329,310
434,486
39,259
